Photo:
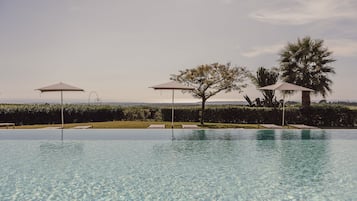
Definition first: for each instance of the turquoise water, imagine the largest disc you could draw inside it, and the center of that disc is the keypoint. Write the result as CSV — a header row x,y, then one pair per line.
x,y
183,165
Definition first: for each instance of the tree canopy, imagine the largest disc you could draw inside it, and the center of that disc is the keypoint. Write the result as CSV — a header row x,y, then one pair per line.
x,y
307,63
265,77
210,79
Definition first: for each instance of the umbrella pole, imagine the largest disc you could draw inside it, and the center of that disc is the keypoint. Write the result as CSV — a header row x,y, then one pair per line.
x,y
282,122
62,118
172,109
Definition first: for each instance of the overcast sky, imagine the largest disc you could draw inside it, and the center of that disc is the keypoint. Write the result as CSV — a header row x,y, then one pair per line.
x,y
119,48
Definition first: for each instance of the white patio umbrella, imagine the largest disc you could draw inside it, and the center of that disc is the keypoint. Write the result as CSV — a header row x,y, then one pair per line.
x,y
61,87
173,85
285,86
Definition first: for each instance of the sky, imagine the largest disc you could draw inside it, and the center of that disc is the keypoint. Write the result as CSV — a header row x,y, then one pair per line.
x,y
119,48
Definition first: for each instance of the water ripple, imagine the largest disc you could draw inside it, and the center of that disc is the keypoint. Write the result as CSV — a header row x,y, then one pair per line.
x,y
182,169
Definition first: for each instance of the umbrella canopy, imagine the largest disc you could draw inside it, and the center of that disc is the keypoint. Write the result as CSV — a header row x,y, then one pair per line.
x,y
285,86
173,85
60,87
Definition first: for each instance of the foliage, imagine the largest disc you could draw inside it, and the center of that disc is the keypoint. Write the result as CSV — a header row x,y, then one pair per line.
x,y
259,103
210,79
307,63
141,113
328,116
316,115
249,101
265,77
323,116
50,114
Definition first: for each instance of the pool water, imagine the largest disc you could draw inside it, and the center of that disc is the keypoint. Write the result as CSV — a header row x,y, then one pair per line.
x,y
178,164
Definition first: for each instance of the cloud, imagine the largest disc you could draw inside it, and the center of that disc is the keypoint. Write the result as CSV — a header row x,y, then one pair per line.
x,y
261,50
301,12
342,47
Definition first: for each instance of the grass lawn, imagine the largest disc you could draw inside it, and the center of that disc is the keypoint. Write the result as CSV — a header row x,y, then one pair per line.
x,y
139,124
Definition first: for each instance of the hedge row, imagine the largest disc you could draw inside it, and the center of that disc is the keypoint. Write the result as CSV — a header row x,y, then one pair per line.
x,y
325,116
49,114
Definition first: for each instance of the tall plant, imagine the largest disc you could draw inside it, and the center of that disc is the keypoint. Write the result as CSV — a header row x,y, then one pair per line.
x,y
210,79
265,77
307,62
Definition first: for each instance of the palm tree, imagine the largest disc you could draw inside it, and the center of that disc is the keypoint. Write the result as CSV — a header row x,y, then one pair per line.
x,y
307,63
265,77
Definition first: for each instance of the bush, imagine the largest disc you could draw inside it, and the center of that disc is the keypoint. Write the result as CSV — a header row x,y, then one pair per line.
x,y
186,114
324,116
321,115
329,116
141,113
50,114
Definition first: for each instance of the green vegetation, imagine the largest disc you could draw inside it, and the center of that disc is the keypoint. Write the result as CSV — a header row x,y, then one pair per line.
x,y
264,77
307,63
316,115
210,79
25,114
29,114
326,115
33,116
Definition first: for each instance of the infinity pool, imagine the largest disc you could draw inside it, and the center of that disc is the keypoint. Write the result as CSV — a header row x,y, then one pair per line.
x,y
178,164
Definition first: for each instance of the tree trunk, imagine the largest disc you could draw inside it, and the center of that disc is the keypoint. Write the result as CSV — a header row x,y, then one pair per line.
x,y
203,110
305,99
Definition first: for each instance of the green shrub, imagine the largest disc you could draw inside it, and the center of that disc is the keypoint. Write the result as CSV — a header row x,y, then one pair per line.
x,y
320,115
141,113
324,116
49,114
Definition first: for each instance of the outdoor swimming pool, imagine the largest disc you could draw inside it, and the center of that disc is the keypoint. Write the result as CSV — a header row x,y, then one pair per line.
x,y
180,165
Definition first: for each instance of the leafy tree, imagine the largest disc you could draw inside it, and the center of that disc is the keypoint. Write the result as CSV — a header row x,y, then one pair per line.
x,y
210,79
307,63
265,77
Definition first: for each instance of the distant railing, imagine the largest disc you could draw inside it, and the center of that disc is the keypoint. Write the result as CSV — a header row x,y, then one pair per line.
x,y
93,93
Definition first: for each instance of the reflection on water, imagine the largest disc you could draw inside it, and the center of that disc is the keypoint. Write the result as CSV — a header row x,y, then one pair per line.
x,y
314,135
62,148
265,135
196,165
305,163
194,135
58,156
265,140
250,135
278,165
201,135
304,135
